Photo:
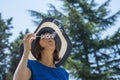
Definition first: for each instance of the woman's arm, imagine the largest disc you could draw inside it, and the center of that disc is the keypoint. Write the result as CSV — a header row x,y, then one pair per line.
x,y
23,72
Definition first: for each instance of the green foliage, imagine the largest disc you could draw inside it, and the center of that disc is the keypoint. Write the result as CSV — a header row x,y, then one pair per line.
x,y
97,55
9,52
52,12
5,33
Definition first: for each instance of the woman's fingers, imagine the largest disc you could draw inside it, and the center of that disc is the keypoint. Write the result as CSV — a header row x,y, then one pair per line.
x,y
28,40
29,36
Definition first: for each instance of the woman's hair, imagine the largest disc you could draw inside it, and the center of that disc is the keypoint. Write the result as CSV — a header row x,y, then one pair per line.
x,y
38,50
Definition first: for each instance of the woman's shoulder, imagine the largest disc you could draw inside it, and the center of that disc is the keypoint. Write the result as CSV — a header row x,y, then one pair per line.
x,y
31,63
63,70
64,73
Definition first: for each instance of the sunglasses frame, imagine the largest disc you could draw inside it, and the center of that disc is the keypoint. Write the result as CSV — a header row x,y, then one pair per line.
x,y
46,36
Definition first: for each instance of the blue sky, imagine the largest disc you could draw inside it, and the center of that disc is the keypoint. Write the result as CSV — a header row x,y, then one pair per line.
x,y
22,19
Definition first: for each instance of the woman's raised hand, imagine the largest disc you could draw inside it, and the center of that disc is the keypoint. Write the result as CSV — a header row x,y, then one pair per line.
x,y
29,37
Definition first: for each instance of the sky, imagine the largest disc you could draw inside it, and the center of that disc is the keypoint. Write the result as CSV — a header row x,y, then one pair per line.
x,y
22,19
19,11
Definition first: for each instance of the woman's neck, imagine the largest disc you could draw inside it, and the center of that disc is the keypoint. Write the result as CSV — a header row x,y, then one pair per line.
x,y
47,58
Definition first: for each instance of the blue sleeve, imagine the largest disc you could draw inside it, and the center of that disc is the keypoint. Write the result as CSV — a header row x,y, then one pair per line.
x,y
66,74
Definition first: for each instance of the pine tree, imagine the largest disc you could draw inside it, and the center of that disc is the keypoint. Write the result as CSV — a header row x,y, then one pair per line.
x,y
5,33
96,56
92,57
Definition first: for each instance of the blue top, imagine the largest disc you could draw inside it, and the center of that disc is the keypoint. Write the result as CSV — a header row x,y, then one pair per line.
x,y
42,72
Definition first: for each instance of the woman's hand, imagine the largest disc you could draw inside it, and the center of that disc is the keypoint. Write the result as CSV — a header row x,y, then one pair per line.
x,y
27,41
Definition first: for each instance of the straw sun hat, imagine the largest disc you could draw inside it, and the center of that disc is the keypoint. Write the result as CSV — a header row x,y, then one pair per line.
x,y
62,40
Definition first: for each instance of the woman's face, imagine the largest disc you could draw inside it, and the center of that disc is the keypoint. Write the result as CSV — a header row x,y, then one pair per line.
x,y
47,41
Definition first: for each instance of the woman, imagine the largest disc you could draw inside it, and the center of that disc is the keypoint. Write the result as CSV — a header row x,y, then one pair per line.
x,y
46,53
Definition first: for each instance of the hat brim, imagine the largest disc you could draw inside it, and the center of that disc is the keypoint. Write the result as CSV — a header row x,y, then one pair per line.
x,y
64,43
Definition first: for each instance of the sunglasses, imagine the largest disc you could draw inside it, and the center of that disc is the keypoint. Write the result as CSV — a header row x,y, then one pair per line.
x,y
46,36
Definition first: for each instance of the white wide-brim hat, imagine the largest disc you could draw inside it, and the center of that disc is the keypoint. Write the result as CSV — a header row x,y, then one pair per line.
x,y
62,40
